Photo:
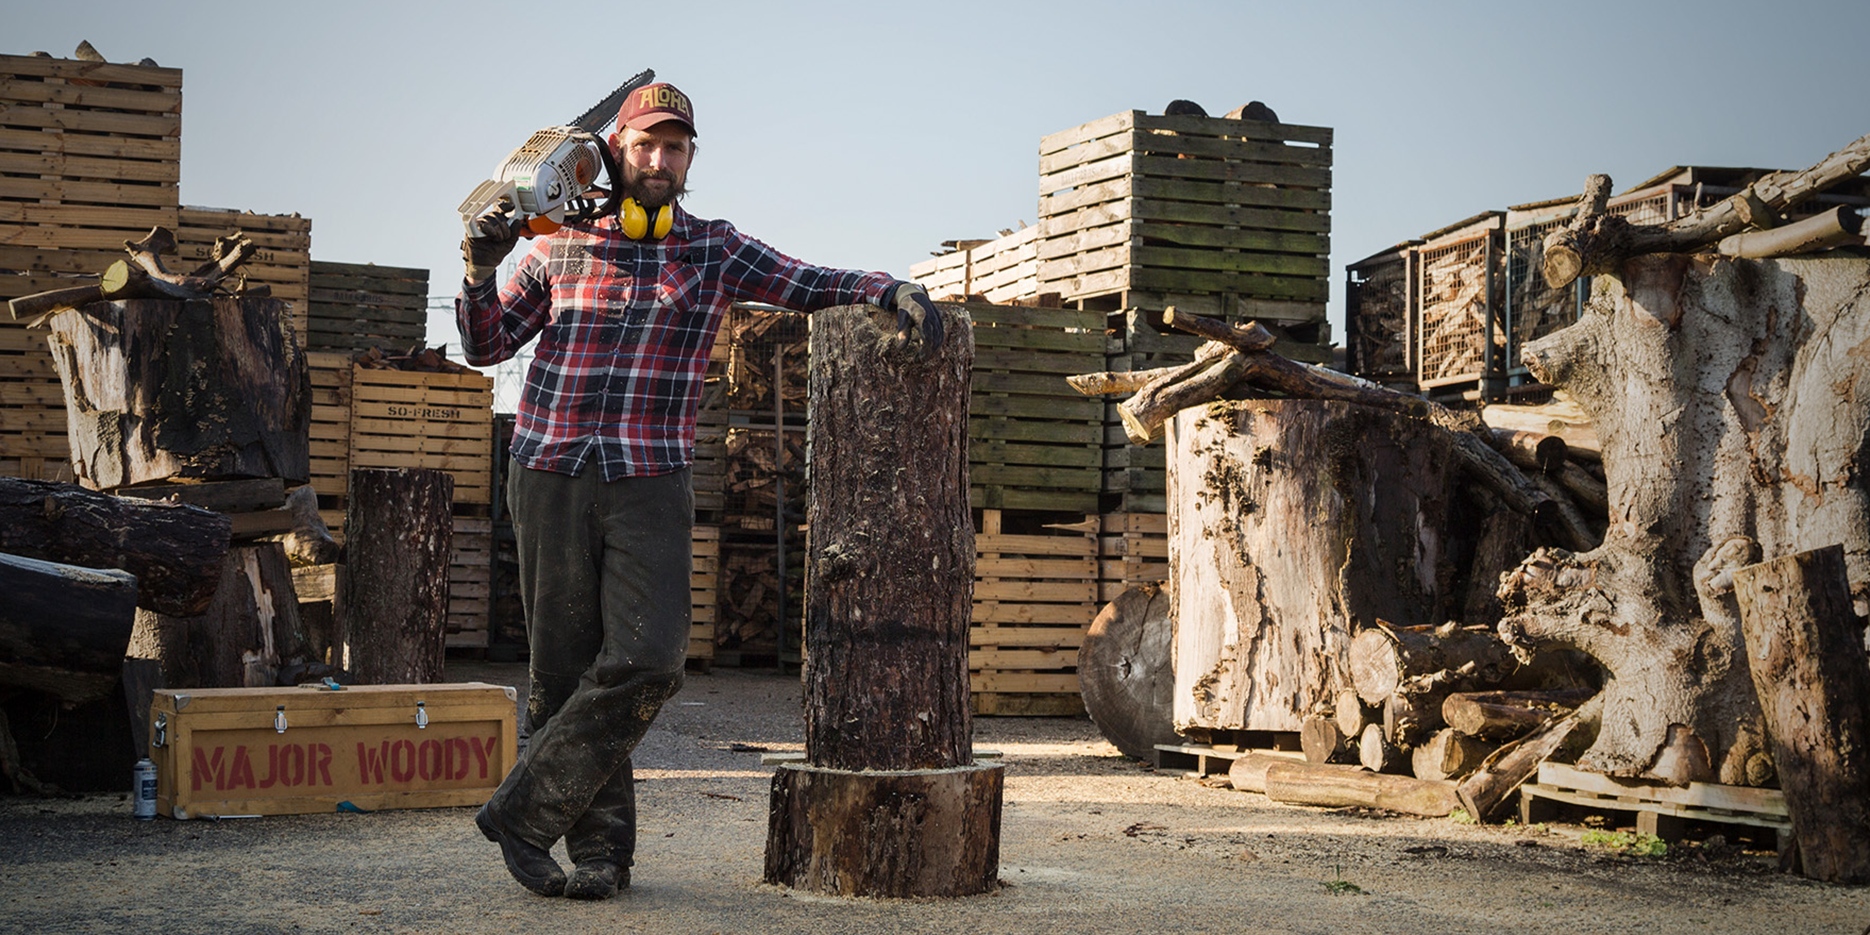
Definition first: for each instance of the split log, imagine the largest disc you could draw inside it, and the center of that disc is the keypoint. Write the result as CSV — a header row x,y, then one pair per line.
x,y
1296,518
1838,226
1598,242
1693,478
63,628
175,551
1376,753
890,802
1321,740
1805,645
1124,672
398,529
1485,791
1247,772
1298,783
1503,715
1386,658
246,638
1350,712
157,390
1449,754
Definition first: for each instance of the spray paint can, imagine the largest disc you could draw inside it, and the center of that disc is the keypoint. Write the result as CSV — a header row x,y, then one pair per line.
x,y
144,787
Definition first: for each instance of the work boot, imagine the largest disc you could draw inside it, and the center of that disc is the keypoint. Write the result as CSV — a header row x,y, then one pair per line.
x,y
530,864
599,878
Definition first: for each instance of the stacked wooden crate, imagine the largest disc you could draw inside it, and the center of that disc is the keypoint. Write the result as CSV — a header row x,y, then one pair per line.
x,y
1033,442
1132,549
330,377
1215,216
90,156
1136,476
704,588
1003,271
358,306
1035,594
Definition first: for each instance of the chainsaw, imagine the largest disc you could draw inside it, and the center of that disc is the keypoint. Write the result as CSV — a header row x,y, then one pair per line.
x,y
551,179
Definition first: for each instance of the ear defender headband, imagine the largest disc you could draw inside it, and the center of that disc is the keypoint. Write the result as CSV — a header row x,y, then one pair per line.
x,y
637,224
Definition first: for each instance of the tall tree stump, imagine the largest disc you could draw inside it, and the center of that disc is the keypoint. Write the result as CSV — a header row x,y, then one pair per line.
x,y
1293,524
398,528
156,390
1805,646
890,802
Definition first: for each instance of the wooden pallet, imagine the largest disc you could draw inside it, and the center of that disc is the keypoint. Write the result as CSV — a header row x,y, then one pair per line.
x,y
330,375
1657,809
358,306
1186,205
1034,443
470,583
703,591
1132,549
1004,271
1196,760
426,420
1034,598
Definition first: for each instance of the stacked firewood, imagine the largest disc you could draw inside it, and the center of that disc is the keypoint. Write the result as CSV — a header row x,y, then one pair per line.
x,y
754,337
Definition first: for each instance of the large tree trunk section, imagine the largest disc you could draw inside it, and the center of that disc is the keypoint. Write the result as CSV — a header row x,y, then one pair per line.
x,y
248,637
1300,783
1694,478
1806,649
1124,672
1293,524
174,551
398,527
63,629
202,389
889,589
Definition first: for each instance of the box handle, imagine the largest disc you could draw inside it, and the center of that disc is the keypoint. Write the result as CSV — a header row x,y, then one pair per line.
x,y
279,719
161,737
422,717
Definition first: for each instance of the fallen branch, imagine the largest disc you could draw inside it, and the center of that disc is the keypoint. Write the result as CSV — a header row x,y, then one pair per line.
x,y
143,276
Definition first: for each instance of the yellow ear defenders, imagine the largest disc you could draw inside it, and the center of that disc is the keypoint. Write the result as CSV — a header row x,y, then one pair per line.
x,y
637,225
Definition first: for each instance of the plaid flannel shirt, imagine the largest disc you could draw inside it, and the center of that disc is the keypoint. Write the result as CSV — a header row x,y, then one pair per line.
x,y
625,328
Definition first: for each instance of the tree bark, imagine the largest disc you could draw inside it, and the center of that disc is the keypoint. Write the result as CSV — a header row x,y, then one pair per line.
x,y
63,628
1806,649
1700,481
889,585
248,637
1247,772
398,527
1503,715
175,551
156,390
1293,523
1124,672
1299,783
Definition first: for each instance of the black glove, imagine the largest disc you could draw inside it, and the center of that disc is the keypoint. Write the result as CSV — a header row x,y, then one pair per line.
x,y
483,253
911,303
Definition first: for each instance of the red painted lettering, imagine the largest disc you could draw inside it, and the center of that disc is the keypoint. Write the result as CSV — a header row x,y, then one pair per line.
x,y
320,766
241,775
370,762
484,753
402,761
429,760
215,768
272,767
292,765
455,758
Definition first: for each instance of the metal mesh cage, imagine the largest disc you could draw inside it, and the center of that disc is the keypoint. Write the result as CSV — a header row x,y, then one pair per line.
x,y
1454,285
1378,298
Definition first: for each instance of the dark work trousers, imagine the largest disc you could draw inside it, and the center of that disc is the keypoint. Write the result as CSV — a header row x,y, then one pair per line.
x,y
604,573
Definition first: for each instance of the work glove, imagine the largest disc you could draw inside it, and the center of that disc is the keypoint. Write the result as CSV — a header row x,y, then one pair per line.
x,y
912,307
483,253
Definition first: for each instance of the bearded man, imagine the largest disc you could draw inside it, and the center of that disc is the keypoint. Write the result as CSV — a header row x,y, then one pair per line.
x,y
625,309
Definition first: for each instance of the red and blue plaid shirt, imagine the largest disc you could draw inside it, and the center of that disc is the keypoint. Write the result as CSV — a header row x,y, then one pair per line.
x,y
625,328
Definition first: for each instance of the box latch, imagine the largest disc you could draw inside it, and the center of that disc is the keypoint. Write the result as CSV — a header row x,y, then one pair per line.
x,y
422,716
161,737
279,719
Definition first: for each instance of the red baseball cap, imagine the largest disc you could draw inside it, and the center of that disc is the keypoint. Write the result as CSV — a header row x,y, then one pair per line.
x,y
651,104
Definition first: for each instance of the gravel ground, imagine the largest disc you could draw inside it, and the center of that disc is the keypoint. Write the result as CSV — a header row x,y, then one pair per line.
x,y
1091,842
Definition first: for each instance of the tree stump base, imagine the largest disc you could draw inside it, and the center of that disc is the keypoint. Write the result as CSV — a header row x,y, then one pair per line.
x,y
933,832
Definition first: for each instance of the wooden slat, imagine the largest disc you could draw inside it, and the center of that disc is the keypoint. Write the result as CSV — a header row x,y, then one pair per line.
x,y
47,67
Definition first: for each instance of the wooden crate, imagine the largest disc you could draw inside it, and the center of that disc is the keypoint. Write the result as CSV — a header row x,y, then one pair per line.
x,y
1458,283
1218,216
282,263
1035,595
1379,317
470,583
1034,443
1003,271
426,420
223,752
330,375
358,306
704,584
1132,549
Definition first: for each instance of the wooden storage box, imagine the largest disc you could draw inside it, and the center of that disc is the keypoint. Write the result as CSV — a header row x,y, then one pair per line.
x,y
1034,443
1003,271
222,752
426,420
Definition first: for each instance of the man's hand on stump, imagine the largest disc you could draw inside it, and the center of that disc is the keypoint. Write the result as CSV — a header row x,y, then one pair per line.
x,y
912,308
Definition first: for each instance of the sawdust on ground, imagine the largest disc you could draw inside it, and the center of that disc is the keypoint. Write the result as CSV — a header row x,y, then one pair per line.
x,y
1091,842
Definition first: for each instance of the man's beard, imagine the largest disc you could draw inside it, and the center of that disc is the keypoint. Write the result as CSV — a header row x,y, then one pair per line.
x,y
633,187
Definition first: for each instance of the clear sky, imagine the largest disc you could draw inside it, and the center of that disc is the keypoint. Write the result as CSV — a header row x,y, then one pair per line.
x,y
865,134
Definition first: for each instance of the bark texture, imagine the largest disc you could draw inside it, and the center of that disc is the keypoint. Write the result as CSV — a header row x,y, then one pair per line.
x,y
1294,523
1731,401
175,551
398,530
63,629
200,389
248,637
